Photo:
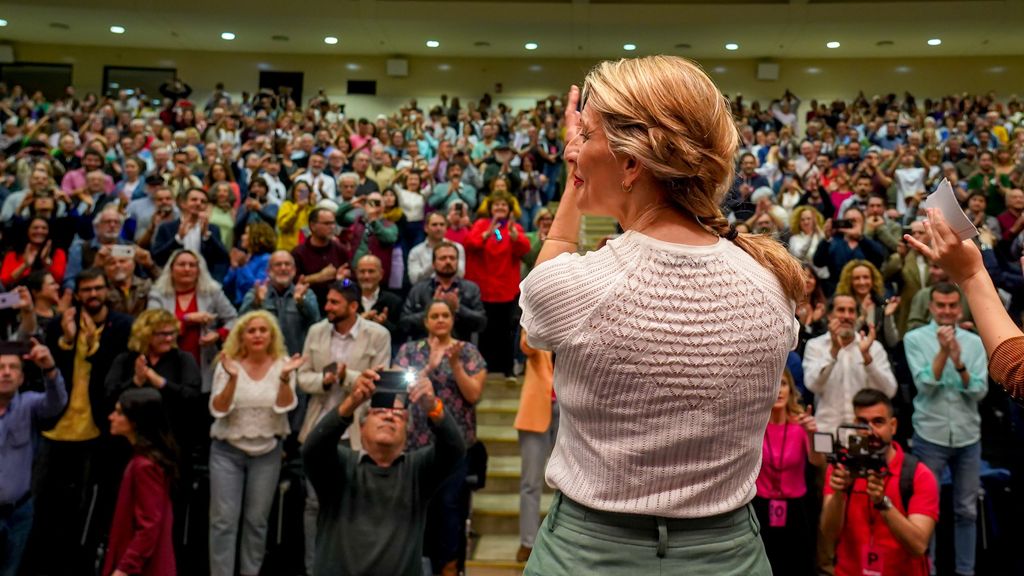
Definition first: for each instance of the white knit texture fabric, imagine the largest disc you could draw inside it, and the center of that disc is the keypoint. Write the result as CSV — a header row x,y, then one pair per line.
x,y
668,359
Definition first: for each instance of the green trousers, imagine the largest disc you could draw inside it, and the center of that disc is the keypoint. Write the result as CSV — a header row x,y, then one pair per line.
x,y
576,540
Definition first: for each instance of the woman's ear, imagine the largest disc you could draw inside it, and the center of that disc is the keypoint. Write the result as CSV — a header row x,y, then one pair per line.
x,y
631,171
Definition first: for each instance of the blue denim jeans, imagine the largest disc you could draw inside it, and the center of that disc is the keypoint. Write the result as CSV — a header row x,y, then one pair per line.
x,y
242,490
14,531
965,466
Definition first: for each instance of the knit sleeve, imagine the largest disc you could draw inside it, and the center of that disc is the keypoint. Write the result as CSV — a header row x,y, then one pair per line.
x,y
1006,366
560,293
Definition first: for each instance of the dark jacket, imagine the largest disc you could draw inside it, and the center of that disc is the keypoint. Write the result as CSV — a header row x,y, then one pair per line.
x,y
211,248
393,302
469,318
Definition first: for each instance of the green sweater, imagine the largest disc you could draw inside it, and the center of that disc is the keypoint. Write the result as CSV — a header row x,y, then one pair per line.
x,y
372,518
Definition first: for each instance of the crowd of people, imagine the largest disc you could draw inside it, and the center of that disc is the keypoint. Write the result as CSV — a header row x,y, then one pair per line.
x,y
199,294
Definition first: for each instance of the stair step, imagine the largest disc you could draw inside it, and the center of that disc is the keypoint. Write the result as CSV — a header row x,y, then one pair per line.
x,y
497,411
499,388
496,550
504,474
499,513
501,440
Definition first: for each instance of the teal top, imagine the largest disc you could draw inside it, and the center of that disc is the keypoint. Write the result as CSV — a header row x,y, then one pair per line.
x,y
946,411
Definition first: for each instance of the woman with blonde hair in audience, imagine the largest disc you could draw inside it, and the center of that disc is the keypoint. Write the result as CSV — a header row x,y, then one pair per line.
x,y
670,340
253,391
807,230
204,312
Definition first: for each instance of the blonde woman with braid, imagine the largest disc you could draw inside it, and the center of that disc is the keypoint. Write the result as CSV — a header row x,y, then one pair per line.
x,y
670,340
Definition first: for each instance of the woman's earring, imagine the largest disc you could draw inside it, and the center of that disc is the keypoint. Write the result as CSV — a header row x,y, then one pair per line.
x,y
626,188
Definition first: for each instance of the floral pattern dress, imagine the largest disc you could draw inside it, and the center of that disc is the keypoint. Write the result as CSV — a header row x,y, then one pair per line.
x,y
416,355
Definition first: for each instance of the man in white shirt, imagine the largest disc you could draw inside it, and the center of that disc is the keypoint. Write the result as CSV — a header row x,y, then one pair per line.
x,y
840,363
421,257
323,185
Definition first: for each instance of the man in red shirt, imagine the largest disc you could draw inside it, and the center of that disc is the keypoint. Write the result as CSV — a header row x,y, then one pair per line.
x,y
875,532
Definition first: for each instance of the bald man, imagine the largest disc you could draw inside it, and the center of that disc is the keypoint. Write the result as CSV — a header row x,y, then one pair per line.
x,y
378,305
294,304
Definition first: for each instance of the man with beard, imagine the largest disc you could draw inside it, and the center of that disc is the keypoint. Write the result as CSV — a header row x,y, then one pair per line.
x,y
193,231
322,258
843,361
128,293
74,182
293,304
881,523
950,370
337,349
79,467
461,294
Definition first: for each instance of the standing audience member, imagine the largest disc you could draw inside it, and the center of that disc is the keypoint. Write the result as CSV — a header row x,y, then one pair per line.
x,y
291,302
421,256
186,289
444,284
293,217
128,293
323,258
253,391
21,413
377,304
783,503
36,251
193,232
249,261
337,349
456,372
494,249
373,509
370,232
537,423
141,537
875,527
840,363
845,241
950,373
79,471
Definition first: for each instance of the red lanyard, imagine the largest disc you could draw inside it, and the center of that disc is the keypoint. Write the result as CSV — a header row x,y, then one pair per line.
x,y
777,468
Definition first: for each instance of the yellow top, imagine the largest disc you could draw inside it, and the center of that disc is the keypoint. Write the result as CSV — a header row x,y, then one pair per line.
x,y
77,425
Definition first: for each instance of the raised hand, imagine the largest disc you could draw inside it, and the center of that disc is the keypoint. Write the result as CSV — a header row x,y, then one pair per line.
x,y
807,421
141,370
454,352
292,363
960,259
866,342
229,365
40,356
259,293
422,394
69,324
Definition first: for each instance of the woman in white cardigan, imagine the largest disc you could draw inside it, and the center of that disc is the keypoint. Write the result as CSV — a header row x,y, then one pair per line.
x,y
253,391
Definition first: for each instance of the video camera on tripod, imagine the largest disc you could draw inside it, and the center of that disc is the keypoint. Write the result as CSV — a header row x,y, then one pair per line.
x,y
861,453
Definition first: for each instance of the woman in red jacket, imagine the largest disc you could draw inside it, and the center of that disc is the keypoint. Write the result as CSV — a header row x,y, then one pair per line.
x,y
494,249
140,537
33,252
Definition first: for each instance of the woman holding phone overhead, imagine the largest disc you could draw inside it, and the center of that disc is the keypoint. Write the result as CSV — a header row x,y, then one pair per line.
x,y
671,339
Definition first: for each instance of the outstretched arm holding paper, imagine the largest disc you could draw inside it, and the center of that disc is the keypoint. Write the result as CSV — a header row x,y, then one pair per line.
x,y
1003,341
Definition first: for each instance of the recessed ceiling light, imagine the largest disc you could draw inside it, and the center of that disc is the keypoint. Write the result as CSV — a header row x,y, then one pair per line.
x,y
813,70
3,22
935,42
352,66
227,35
433,43
444,67
902,69
720,70
833,44
536,68
997,69
530,46
629,47
117,29
330,40
732,46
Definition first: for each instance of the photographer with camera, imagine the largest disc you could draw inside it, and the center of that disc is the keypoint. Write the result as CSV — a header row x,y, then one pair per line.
x,y
880,518
845,241
840,363
373,503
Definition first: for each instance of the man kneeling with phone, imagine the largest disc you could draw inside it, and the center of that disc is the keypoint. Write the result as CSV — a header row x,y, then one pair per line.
x,y
373,503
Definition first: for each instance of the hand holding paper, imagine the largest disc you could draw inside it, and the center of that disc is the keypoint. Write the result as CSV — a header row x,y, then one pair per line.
x,y
945,201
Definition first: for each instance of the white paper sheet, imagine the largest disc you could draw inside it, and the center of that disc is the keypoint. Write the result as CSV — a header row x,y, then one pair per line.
x,y
945,200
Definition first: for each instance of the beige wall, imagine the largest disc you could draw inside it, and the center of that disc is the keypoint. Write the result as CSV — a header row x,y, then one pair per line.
x,y
524,80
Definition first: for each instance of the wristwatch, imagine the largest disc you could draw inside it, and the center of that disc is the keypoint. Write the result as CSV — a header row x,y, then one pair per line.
x,y
885,504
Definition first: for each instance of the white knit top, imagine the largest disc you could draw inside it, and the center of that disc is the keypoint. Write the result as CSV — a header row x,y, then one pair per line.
x,y
668,359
